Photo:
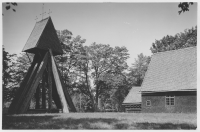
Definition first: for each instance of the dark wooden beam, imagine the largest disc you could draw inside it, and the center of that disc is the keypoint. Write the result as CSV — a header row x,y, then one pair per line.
x,y
59,85
27,86
49,83
55,96
22,90
37,97
44,91
32,88
66,93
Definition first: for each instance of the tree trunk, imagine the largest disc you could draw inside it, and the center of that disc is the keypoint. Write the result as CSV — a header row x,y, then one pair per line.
x,y
88,86
97,97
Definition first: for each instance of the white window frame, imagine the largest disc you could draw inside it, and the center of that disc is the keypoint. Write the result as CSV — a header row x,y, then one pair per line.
x,y
148,101
169,98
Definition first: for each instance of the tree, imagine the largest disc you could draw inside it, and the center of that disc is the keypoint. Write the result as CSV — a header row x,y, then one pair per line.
x,y
20,67
138,69
184,6
17,69
84,69
9,5
82,64
105,59
80,101
7,75
68,62
74,65
64,35
114,89
184,39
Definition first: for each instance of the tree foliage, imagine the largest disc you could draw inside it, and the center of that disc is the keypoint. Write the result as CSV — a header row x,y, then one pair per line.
x,y
184,39
64,35
10,5
20,67
106,64
184,6
138,70
73,65
7,75
6,60
69,61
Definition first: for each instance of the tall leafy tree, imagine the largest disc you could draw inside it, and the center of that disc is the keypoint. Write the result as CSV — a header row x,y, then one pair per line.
x,y
115,88
105,59
84,69
7,75
138,69
74,66
68,62
18,70
184,39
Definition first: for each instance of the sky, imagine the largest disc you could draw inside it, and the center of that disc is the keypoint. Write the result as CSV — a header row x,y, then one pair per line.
x,y
133,25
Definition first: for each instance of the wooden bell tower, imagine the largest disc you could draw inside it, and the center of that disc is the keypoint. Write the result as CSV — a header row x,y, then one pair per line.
x,y
43,77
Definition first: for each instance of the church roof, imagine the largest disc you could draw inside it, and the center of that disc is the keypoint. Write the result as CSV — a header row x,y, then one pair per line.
x,y
174,70
134,96
43,37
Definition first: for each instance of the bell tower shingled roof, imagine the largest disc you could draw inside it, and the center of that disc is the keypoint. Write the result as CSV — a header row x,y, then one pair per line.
x,y
43,37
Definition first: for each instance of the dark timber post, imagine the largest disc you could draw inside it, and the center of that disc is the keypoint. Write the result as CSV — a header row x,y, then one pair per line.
x,y
44,91
50,84
37,97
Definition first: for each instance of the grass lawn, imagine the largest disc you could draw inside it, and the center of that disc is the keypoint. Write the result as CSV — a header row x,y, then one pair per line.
x,y
101,121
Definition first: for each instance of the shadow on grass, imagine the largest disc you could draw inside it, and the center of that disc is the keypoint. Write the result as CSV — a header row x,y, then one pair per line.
x,y
164,126
57,122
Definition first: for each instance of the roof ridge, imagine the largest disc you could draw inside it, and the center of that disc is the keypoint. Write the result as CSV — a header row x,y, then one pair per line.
x,y
43,19
176,50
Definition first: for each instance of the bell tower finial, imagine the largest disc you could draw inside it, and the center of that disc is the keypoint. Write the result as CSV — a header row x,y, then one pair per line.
x,y
49,12
43,13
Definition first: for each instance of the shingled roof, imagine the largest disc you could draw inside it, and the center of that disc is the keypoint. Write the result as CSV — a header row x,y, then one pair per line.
x,y
174,70
134,96
43,37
